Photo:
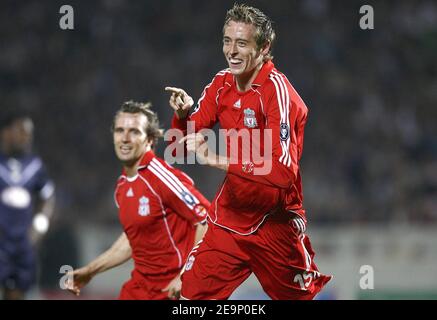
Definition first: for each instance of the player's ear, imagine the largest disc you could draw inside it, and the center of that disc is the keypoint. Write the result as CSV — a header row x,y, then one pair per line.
x,y
265,48
150,142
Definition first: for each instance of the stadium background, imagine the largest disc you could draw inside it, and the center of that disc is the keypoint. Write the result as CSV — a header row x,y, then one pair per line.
x,y
370,159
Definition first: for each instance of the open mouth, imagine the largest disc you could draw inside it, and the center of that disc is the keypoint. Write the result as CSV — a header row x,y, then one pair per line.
x,y
125,149
235,62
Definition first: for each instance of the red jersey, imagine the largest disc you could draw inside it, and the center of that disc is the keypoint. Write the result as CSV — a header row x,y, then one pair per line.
x,y
245,198
158,209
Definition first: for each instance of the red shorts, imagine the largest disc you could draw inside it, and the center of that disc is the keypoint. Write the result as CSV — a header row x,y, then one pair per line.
x,y
280,257
140,287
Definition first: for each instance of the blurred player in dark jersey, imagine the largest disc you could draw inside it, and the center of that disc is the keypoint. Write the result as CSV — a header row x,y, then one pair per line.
x,y
26,203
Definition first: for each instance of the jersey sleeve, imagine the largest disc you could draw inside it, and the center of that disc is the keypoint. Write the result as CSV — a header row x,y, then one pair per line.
x,y
204,113
286,117
178,193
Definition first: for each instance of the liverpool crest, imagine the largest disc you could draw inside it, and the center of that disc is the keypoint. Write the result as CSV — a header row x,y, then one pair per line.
x,y
144,208
249,118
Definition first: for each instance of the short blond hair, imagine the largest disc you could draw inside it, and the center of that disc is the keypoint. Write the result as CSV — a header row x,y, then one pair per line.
x,y
262,23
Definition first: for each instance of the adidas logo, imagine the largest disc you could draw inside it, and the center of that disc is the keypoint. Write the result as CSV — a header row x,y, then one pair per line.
x,y
130,193
237,104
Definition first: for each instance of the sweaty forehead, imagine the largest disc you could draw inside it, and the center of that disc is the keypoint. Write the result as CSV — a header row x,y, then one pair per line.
x,y
239,30
131,120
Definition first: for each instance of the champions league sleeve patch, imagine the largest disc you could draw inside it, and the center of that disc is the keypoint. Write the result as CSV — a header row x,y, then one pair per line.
x,y
188,198
284,132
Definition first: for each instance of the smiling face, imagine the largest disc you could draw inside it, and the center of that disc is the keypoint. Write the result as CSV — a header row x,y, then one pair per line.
x,y
130,139
241,51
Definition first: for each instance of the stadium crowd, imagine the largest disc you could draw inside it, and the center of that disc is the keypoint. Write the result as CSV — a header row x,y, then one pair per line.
x,y
371,141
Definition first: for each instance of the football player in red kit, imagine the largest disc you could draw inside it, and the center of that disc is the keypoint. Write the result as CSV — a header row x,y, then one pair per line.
x,y
162,213
258,220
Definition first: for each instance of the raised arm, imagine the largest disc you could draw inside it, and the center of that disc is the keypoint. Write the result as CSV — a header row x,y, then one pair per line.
x,y
180,101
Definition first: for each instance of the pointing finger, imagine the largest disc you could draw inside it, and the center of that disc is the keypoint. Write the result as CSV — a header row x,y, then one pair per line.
x,y
179,101
174,90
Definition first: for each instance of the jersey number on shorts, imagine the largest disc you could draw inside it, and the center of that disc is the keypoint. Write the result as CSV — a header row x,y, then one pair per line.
x,y
305,278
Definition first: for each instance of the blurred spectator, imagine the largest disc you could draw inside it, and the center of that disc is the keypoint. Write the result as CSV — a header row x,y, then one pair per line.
x,y
26,204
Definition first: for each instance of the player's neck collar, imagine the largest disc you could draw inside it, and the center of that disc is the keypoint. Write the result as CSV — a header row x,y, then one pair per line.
x,y
263,73
145,160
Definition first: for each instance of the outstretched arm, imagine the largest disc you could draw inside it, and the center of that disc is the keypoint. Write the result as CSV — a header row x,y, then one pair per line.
x,y
119,253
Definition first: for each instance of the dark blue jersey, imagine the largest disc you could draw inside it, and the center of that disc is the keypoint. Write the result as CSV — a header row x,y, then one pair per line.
x,y
22,180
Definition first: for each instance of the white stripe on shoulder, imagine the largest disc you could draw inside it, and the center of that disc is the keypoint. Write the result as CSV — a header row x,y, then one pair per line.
x,y
164,177
175,179
161,175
